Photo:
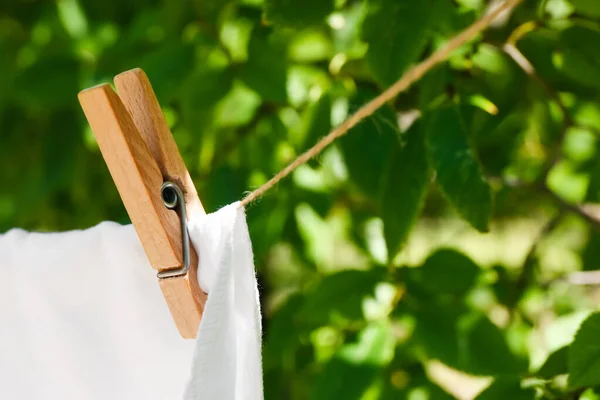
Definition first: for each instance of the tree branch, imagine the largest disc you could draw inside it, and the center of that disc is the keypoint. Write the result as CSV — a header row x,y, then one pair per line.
x,y
586,211
589,212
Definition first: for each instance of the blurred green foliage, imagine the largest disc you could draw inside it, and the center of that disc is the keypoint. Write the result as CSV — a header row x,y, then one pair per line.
x,y
372,286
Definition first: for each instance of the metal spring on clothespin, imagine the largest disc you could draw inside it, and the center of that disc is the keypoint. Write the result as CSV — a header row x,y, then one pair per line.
x,y
172,198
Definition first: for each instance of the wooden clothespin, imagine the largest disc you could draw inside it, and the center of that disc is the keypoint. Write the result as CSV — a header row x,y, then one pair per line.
x,y
142,156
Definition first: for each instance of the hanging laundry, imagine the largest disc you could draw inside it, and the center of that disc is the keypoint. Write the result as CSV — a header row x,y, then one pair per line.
x,y
227,361
81,317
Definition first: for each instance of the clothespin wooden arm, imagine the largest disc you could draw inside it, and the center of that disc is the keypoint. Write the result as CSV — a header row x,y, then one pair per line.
x,y
136,93
141,155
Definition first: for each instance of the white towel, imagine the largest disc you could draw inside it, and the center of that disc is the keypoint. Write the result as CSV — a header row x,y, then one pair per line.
x,y
227,361
82,317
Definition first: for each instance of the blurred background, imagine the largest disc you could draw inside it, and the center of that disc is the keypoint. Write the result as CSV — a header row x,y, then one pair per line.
x,y
448,242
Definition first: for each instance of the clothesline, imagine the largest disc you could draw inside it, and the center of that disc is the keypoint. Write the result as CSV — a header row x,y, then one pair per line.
x,y
410,77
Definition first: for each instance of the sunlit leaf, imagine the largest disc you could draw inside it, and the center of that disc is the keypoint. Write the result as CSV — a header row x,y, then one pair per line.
x,y
555,364
590,394
355,367
72,17
584,354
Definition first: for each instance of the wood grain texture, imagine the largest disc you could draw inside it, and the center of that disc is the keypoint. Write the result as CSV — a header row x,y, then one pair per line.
x,y
185,300
136,93
141,154
136,175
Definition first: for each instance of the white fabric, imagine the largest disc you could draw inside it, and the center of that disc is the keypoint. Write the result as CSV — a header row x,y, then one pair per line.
x,y
227,360
82,317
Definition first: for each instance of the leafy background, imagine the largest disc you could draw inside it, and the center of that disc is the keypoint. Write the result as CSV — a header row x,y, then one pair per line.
x,y
445,248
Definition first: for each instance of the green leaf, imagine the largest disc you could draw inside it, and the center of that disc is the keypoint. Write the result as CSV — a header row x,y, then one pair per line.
x,y
341,377
580,59
375,346
398,385
458,171
446,272
298,13
238,107
590,8
368,147
283,334
167,68
437,335
394,48
72,18
450,17
267,226
539,48
339,295
497,77
496,148
504,390
593,189
51,82
404,189
356,365
590,394
346,39
203,90
591,254
266,69
555,364
487,350
562,330
432,87
209,10
492,92
58,170
465,340
206,86
584,354
221,193
311,46
318,123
